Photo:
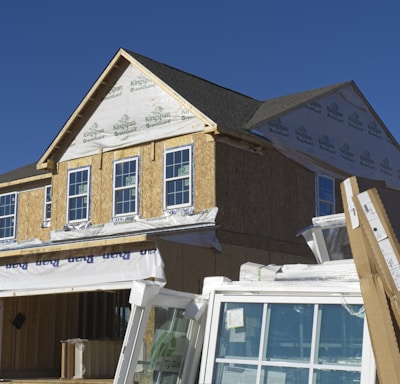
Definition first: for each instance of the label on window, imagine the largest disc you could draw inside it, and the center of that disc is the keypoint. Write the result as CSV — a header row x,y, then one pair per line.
x,y
235,318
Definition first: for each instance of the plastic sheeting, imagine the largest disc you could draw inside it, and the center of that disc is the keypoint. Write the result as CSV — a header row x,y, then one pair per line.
x,y
136,110
139,226
336,135
85,270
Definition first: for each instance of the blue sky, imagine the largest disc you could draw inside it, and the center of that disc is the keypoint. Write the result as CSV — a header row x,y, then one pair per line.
x,y
52,52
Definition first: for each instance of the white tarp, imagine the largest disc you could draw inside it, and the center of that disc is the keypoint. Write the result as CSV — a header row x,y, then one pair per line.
x,y
80,271
138,225
136,110
336,131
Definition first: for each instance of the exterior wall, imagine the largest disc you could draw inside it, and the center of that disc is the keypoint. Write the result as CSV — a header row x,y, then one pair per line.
x,y
35,349
30,211
264,201
150,179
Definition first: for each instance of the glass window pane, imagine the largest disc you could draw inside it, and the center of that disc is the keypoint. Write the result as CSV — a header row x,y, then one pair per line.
x,y
235,373
325,209
163,347
289,332
284,375
341,335
326,188
240,330
335,377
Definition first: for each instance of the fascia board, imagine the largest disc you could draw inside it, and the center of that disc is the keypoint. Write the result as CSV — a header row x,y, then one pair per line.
x,y
92,99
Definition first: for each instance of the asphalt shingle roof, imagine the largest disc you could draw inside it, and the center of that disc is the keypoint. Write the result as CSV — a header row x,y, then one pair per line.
x,y
224,106
229,109
21,173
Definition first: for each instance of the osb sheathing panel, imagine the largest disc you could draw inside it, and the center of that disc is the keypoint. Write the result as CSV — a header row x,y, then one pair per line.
x,y
186,266
36,345
263,200
151,162
30,215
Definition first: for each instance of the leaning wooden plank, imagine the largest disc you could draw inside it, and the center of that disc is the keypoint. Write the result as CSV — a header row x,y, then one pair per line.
x,y
381,327
383,241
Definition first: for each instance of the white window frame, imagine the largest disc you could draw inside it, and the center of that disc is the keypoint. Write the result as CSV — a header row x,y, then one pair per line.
x,y
134,185
47,203
146,295
13,215
209,361
189,177
319,200
79,195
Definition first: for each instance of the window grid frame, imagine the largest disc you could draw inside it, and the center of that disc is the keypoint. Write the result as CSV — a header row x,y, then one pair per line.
x,y
79,195
189,177
47,203
319,200
134,159
12,217
260,362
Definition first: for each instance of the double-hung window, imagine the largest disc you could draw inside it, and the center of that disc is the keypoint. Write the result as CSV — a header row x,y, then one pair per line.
x,y
178,174
78,194
47,204
8,218
325,195
125,187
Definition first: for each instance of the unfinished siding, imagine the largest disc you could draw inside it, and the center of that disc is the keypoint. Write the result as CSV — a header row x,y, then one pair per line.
x,y
34,349
151,179
30,214
259,200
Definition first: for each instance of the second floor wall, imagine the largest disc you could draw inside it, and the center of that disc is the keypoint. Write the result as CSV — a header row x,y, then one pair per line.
x,y
145,181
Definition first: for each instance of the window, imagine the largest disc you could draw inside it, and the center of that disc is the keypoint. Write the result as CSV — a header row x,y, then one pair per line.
x,y
47,204
310,341
8,212
78,194
125,187
325,192
178,177
163,341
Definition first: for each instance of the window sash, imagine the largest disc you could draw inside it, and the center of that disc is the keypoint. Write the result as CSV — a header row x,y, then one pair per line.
x,y
47,203
257,365
78,195
8,212
325,195
178,173
125,187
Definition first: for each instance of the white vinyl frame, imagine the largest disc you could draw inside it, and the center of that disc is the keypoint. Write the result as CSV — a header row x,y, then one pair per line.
x,y
136,328
47,203
136,185
367,369
190,177
14,215
332,203
87,194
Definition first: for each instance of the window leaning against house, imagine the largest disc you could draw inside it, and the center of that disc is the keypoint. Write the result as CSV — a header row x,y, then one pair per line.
x,y
178,173
47,206
125,187
325,195
78,194
8,215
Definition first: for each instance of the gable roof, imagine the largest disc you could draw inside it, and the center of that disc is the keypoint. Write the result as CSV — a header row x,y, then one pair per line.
x,y
229,112
225,107
272,108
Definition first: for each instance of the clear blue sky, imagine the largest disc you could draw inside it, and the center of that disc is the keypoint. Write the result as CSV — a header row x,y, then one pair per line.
x,y
52,51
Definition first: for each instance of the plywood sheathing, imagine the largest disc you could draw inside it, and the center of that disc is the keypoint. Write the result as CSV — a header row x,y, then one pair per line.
x,y
263,205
